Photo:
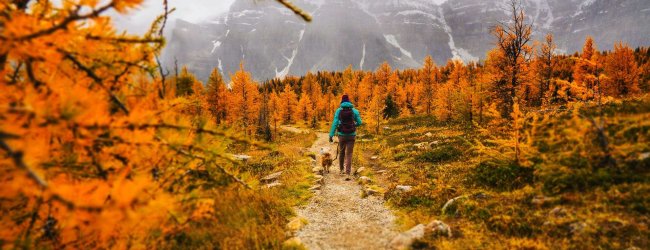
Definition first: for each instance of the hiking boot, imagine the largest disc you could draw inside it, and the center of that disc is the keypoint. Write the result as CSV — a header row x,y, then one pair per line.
x,y
347,178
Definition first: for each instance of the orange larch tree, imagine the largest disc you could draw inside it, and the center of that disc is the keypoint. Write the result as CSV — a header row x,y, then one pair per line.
x,y
288,105
622,72
216,96
244,100
428,78
305,110
89,143
585,73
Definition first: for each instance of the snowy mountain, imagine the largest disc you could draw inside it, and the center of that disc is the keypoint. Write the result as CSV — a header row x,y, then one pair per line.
x,y
273,42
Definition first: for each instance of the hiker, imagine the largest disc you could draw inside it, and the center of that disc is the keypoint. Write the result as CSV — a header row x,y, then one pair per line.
x,y
346,121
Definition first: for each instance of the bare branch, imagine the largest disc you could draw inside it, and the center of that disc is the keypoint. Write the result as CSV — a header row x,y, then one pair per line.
x,y
305,16
68,20
95,78
125,39
17,157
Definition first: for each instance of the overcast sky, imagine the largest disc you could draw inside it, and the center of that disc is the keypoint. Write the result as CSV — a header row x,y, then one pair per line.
x,y
139,20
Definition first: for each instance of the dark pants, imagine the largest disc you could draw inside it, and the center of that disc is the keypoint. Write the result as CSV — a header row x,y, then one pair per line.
x,y
346,146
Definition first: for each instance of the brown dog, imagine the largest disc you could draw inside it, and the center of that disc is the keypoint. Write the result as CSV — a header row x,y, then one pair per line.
x,y
326,162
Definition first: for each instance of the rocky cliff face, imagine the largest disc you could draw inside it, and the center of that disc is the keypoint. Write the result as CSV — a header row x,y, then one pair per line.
x,y
273,42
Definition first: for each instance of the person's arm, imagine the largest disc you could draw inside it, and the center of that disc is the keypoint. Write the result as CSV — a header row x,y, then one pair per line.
x,y
335,123
357,117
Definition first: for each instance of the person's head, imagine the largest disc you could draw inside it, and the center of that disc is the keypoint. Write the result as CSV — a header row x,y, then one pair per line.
x,y
345,98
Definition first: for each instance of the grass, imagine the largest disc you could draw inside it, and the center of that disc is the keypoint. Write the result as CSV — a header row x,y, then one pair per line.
x,y
256,218
566,198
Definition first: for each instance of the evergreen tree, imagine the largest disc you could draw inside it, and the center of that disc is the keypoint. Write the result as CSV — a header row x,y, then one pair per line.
x,y
391,110
184,83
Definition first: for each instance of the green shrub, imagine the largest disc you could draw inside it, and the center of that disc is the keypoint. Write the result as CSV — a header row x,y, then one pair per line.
x,y
400,156
440,154
503,175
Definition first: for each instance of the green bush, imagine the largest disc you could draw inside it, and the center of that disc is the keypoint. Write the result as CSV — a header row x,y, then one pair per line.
x,y
440,154
400,156
503,175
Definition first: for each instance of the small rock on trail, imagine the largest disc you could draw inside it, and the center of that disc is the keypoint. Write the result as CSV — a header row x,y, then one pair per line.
x,y
338,218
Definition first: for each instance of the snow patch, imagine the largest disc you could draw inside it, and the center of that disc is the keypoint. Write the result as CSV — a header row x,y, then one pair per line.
x,y
302,33
415,12
246,12
365,7
220,66
363,57
391,39
579,30
227,32
583,6
458,53
284,72
544,7
418,4
215,45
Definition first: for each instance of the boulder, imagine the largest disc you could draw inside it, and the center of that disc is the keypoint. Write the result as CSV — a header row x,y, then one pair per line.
x,y
359,170
274,184
296,223
374,157
319,179
271,178
422,145
364,180
451,203
577,227
403,188
243,158
437,228
644,156
315,187
369,191
542,200
292,243
428,134
405,239
558,212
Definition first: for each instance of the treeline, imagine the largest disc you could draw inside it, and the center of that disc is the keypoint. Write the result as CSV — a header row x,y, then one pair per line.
x,y
473,93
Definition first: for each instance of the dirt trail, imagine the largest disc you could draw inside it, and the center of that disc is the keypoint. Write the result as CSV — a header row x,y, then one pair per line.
x,y
339,218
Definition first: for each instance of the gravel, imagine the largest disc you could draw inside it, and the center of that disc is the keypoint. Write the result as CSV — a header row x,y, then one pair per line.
x,y
340,219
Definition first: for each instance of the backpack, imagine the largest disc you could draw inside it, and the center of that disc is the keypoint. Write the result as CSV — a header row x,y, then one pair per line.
x,y
347,126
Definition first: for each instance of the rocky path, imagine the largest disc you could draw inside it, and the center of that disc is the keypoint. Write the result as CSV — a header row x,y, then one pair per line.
x,y
338,218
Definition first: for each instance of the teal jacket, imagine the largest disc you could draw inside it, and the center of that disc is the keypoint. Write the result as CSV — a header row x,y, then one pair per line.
x,y
336,122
